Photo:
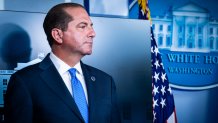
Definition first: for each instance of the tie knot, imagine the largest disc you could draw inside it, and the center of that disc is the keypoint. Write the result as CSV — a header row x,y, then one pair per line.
x,y
72,72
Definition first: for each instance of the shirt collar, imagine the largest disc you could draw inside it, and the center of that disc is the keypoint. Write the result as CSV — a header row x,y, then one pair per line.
x,y
62,67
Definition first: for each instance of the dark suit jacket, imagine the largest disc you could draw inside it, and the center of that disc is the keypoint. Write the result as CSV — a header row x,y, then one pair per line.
x,y
37,94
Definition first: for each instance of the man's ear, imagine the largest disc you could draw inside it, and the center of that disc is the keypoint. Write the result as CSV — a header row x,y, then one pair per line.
x,y
57,34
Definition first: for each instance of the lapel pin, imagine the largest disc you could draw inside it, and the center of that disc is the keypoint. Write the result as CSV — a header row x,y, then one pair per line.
x,y
93,78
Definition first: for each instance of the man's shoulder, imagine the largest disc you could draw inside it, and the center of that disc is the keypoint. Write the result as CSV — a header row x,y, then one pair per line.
x,y
34,68
28,70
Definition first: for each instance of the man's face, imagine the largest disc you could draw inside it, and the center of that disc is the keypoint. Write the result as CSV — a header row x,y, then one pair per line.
x,y
78,38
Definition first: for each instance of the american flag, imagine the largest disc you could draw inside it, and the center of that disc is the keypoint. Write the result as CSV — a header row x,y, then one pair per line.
x,y
163,101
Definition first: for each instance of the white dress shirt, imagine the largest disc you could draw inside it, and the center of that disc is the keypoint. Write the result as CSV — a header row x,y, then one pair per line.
x,y
63,68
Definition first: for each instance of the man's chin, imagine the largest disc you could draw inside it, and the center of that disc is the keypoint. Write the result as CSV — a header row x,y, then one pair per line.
x,y
88,53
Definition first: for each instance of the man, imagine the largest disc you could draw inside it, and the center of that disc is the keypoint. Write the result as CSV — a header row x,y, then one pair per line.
x,y
44,92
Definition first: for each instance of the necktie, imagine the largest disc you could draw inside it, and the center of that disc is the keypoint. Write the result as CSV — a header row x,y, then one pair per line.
x,y
79,95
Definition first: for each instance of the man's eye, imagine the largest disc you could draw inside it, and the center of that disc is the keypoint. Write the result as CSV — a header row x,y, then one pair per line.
x,y
83,26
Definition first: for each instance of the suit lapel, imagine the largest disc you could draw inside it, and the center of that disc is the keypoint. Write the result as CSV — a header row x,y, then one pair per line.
x,y
90,84
54,81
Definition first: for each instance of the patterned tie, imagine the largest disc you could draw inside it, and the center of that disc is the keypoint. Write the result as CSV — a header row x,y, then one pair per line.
x,y
79,95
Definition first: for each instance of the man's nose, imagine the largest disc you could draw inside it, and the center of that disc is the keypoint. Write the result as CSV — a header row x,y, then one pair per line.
x,y
92,32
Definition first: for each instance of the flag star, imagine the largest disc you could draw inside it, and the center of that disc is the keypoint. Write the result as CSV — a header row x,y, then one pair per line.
x,y
163,77
155,103
154,114
169,89
156,50
163,89
152,50
155,90
156,64
152,38
162,65
156,76
163,102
